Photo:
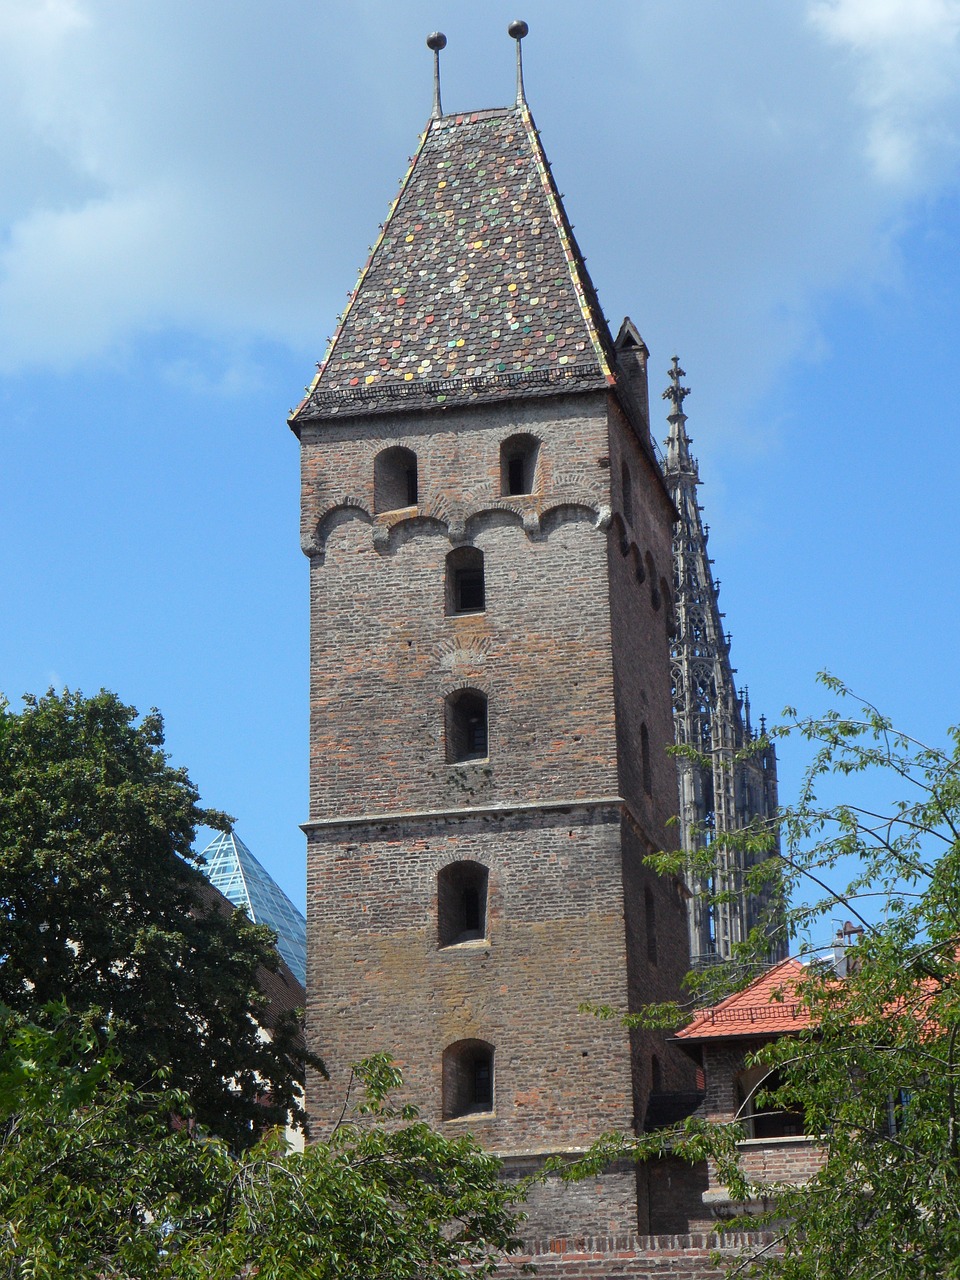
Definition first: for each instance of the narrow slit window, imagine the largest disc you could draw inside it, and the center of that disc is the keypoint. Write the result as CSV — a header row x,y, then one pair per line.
x,y
518,465
395,483
645,769
466,726
650,924
466,586
461,903
626,490
467,1079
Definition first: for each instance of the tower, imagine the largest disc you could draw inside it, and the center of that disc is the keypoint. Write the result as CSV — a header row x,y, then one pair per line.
x,y
731,787
489,536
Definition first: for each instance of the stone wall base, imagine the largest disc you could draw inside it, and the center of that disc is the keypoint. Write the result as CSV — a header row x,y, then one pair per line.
x,y
680,1257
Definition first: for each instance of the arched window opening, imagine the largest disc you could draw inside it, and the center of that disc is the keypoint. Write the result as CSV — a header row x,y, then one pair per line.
x,y
518,465
645,770
650,924
626,491
467,1079
466,726
394,479
760,1117
461,903
465,589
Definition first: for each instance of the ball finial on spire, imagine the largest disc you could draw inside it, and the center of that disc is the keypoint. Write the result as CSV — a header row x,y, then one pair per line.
x,y
436,41
518,30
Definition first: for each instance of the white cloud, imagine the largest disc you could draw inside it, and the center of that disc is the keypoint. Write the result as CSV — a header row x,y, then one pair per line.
x,y
905,58
220,169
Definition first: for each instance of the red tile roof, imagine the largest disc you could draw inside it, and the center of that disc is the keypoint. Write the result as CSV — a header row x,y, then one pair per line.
x,y
769,1006
475,287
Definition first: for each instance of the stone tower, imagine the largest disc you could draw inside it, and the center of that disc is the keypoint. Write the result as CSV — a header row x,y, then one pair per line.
x,y
738,787
489,537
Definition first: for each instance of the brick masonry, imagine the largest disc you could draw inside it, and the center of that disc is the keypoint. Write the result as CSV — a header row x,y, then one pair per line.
x,y
658,1257
571,651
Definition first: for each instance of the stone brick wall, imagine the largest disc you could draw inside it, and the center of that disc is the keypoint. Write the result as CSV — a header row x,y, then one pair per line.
x,y
640,563
554,939
661,1257
385,654
722,1062
770,1160
571,653
675,1194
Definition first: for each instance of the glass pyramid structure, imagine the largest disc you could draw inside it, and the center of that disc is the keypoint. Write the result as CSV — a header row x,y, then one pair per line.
x,y
232,868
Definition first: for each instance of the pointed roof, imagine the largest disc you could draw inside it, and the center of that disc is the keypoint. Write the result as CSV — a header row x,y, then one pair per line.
x,y
232,868
475,287
768,1006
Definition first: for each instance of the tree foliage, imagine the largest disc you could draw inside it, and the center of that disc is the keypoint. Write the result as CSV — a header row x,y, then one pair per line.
x,y
102,905
874,836
878,1073
96,1183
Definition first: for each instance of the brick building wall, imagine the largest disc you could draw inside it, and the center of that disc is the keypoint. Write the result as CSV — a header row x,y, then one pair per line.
x,y
554,939
571,651
690,1256
384,653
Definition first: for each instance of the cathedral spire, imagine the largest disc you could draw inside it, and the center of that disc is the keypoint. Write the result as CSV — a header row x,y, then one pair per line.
x,y
724,788
679,459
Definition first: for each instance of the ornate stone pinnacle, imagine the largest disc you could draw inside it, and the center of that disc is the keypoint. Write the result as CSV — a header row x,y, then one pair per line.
x,y
675,392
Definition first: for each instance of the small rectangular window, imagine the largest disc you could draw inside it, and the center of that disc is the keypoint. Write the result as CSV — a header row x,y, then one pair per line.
x,y
469,589
476,736
515,476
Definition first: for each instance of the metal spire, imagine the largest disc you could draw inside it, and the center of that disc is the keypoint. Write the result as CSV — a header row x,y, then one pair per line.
x,y
518,30
436,41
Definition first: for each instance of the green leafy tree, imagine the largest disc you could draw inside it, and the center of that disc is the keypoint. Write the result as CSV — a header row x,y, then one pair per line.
x,y
875,837
878,1073
102,905
95,1183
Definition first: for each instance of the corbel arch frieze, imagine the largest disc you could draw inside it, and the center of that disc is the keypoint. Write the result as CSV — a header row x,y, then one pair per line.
x,y
314,535
388,537
459,525
574,511
493,515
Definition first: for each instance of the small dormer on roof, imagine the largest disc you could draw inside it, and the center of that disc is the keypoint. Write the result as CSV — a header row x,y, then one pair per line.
x,y
476,288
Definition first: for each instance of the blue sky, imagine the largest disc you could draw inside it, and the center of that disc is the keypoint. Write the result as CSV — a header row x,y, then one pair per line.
x,y
770,191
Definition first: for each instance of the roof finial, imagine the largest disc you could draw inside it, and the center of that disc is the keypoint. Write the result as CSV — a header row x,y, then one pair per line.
x,y
518,30
675,392
436,41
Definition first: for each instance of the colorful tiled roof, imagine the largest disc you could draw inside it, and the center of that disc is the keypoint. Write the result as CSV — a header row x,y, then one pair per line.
x,y
475,287
769,1006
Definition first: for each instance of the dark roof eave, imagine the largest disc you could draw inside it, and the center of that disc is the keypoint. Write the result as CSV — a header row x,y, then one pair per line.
x,y
448,393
